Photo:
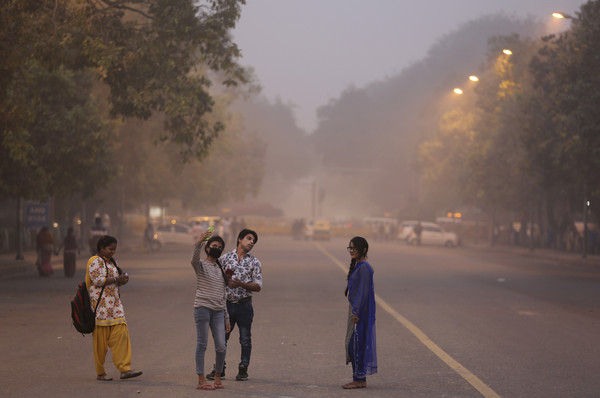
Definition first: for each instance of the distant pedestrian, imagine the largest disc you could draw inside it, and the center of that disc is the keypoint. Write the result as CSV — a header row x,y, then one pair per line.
x,y
210,306
234,227
148,236
104,277
360,332
5,240
71,249
44,245
246,279
418,230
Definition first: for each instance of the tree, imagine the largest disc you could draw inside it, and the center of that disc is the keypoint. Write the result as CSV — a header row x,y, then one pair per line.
x,y
567,91
377,129
442,160
152,173
151,54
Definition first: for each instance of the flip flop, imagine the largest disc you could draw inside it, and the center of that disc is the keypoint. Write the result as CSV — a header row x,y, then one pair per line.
x,y
205,387
353,385
103,377
218,386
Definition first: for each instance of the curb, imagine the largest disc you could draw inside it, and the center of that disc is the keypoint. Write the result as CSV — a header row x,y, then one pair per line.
x,y
13,268
10,267
563,258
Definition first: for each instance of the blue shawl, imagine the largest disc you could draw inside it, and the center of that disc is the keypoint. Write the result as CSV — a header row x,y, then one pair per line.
x,y
361,295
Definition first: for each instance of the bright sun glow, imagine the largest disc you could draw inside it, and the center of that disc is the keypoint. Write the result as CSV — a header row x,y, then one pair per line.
x,y
507,51
558,15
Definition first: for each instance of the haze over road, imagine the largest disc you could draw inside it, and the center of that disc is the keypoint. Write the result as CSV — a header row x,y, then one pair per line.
x,y
454,323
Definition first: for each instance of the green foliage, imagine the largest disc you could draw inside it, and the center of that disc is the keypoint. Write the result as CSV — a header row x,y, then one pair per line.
x,y
53,141
151,173
536,131
151,54
565,139
442,158
566,73
373,132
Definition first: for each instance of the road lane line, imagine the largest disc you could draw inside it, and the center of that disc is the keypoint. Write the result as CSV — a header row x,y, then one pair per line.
x,y
479,385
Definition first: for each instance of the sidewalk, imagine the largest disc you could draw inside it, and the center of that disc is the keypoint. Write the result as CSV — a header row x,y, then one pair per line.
x,y
560,257
10,267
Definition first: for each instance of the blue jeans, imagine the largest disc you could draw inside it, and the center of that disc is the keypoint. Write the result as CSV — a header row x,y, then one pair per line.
x,y
242,314
216,320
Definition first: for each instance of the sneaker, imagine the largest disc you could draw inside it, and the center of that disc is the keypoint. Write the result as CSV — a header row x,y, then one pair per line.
x,y
211,375
242,373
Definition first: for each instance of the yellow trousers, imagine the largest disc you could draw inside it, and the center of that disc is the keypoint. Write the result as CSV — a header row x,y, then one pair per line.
x,y
115,337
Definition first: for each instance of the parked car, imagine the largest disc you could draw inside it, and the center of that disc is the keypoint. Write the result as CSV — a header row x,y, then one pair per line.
x,y
174,234
433,234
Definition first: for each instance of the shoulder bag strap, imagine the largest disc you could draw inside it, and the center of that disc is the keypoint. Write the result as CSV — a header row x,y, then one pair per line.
x,y
101,291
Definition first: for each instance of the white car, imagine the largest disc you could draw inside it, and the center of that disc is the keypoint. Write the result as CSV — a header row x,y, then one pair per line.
x,y
433,234
174,234
406,227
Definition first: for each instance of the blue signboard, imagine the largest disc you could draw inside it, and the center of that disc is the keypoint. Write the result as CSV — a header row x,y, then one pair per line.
x,y
37,215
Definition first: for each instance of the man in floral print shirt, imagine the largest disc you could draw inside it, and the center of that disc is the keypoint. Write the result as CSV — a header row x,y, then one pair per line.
x,y
245,280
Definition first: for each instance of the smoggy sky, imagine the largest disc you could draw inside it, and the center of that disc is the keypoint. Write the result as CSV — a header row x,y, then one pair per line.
x,y
306,52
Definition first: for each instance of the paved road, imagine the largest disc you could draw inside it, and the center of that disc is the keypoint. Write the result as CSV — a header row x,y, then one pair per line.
x,y
450,323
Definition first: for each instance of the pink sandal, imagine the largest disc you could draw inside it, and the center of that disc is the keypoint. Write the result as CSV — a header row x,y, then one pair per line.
x,y
218,385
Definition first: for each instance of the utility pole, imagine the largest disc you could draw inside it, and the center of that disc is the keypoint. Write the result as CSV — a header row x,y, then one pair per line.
x,y
531,223
586,204
314,199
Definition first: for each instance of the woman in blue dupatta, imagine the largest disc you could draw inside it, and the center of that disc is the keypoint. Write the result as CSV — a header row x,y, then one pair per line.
x,y
360,333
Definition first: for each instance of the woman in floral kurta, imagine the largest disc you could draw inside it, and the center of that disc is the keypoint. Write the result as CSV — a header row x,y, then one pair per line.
x,y
103,280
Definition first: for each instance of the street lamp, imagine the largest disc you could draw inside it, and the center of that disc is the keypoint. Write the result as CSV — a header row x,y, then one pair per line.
x,y
507,51
562,15
459,91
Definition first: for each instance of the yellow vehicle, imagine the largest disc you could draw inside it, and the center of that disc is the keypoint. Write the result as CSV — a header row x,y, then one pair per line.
x,y
205,221
321,230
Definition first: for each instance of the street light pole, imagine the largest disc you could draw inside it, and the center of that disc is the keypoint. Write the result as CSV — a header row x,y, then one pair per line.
x,y
562,15
314,199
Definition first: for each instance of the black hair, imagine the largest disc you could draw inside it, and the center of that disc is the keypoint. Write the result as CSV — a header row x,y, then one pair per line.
x,y
212,239
362,247
245,232
105,241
